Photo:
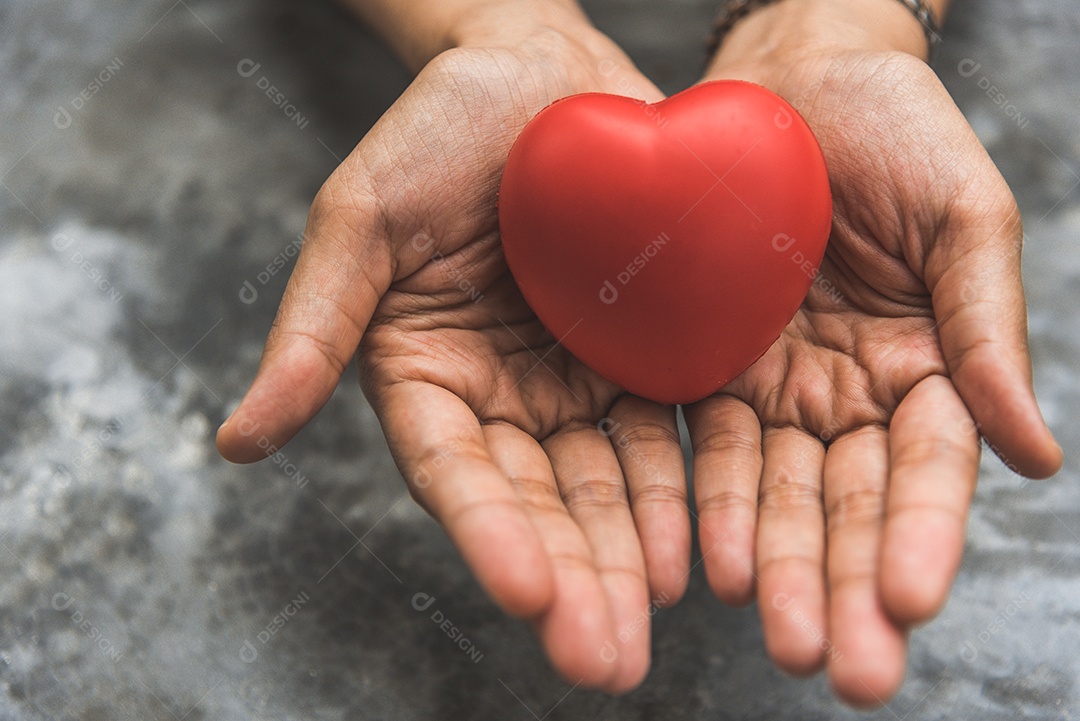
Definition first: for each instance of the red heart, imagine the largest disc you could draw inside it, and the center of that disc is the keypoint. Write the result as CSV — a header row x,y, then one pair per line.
x,y
666,245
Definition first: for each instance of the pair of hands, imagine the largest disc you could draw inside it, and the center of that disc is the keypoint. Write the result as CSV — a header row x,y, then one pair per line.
x,y
832,478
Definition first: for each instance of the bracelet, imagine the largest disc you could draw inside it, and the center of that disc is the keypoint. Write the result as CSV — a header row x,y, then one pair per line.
x,y
735,10
925,15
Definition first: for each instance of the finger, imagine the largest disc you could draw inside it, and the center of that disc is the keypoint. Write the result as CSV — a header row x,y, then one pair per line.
x,y
593,489
979,299
439,447
865,649
343,270
726,438
369,223
934,463
791,550
577,626
645,436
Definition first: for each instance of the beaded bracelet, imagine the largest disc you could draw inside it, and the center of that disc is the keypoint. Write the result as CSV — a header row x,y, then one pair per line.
x,y
735,10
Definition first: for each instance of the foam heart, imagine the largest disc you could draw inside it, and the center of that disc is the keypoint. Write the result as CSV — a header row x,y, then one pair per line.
x,y
666,245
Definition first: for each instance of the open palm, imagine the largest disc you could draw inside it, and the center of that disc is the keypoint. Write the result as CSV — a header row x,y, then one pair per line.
x,y
502,436
499,433
835,474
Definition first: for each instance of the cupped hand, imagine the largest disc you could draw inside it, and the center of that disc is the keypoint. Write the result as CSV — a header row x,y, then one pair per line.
x,y
834,476
566,498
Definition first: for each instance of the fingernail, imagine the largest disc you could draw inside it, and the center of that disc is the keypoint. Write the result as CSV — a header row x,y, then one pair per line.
x,y
235,405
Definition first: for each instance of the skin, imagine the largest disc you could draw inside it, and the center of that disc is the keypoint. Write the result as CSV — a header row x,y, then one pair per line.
x,y
852,446
832,478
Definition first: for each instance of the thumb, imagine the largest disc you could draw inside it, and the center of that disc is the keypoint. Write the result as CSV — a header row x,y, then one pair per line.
x,y
343,270
978,296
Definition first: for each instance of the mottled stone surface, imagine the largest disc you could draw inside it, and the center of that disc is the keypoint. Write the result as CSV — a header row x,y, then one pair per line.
x,y
139,569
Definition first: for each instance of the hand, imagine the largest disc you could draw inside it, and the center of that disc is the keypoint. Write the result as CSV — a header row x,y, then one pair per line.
x,y
492,423
835,474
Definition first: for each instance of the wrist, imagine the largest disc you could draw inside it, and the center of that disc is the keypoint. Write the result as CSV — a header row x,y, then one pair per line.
x,y
556,35
785,31
507,23
418,30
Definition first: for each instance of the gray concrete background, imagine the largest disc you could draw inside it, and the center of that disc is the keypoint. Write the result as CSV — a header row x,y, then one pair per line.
x,y
135,564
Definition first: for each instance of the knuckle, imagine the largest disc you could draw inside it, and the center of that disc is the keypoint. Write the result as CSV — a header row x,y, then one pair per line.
x,y
646,434
453,515
727,500
595,493
330,354
784,561
573,562
634,574
864,577
731,442
467,70
790,495
442,455
348,205
538,494
855,507
658,493
932,450
897,66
